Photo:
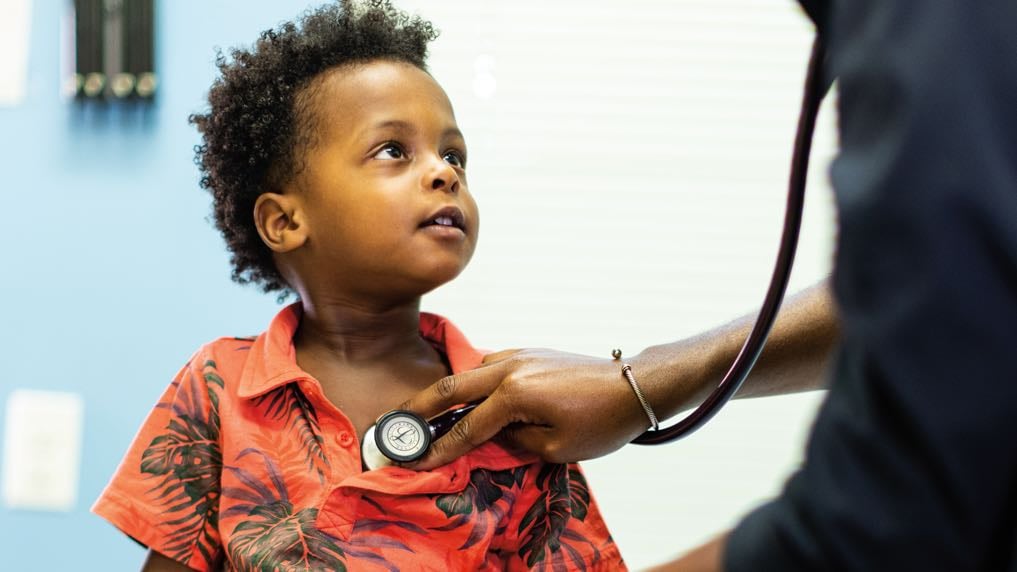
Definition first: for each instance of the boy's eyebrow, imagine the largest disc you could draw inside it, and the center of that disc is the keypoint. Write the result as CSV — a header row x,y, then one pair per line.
x,y
407,127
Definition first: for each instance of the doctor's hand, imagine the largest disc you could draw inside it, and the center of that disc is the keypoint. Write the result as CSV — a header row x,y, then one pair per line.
x,y
563,407
567,407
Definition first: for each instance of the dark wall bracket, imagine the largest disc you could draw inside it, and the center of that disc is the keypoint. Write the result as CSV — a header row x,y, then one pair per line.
x,y
114,49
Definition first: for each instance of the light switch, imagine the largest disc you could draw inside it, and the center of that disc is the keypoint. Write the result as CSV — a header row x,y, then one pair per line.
x,y
15,24
42,449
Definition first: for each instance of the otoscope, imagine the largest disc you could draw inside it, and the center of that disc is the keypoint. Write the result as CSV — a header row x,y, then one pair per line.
x,y
403,436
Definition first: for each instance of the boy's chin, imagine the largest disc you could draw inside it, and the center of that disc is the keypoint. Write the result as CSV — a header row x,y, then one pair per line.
x,y
436,277
443,269
441,276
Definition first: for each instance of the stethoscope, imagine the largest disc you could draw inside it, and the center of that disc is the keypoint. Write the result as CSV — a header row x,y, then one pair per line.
x,y
401,436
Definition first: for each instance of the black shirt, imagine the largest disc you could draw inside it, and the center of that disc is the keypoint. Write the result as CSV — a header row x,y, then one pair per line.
x,y
912,463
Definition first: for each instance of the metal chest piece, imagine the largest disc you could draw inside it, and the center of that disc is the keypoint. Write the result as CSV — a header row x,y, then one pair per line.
x,y
402,436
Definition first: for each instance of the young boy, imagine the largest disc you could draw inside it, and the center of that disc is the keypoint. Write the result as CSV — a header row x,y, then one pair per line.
x,y
338,173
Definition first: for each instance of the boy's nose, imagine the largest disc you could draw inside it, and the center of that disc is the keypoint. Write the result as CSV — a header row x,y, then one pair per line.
x,y
442,184
443,178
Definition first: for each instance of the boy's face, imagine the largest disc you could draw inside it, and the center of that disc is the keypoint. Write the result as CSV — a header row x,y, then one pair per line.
x,y
383,190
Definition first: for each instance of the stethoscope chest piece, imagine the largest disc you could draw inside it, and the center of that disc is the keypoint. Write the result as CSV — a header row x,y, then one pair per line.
x,y
398,436
402,436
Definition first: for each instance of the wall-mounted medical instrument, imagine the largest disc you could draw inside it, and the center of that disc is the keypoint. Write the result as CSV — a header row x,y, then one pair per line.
x,y
114,50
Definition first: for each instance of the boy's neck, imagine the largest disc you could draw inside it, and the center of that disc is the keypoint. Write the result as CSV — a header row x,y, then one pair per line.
x,y
353,333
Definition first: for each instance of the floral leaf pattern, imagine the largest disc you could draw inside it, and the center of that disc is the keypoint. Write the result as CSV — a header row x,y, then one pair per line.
x,y
479,495
565,496
289,402
186,460
275,536
478,502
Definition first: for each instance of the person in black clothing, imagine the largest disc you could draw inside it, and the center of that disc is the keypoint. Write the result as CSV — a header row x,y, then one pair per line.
x,y
911,464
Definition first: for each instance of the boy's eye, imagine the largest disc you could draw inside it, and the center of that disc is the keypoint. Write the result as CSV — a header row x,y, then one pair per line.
x,y
454,158
390,151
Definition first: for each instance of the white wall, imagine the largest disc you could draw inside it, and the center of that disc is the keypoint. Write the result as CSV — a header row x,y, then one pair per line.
x,y
631,168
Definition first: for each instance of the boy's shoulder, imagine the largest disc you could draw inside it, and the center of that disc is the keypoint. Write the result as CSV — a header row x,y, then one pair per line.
x,y
229,348
227,354
231,343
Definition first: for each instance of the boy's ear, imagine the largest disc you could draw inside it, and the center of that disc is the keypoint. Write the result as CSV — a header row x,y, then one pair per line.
x,y
280,222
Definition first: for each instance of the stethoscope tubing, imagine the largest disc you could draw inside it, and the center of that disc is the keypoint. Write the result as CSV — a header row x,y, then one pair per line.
x,y
815,89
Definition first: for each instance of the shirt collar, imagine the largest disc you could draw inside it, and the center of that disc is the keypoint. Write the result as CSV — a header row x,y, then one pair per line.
x,y
272,361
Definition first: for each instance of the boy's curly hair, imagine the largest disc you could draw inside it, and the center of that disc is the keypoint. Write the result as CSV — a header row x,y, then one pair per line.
x,y
261,118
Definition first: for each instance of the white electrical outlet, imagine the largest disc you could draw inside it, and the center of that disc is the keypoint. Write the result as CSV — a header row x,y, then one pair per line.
x,y
42,449
15,23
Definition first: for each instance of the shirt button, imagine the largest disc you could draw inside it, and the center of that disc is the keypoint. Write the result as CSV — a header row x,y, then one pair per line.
x,y
345,438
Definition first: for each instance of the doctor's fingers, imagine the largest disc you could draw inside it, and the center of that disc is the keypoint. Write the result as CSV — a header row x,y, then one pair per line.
x,y
463,387
476,428
526,413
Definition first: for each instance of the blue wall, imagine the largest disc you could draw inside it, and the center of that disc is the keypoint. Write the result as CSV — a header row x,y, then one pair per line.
x,y
112,273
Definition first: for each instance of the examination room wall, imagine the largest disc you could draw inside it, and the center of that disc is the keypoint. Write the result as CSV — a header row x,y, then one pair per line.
x,y
630,162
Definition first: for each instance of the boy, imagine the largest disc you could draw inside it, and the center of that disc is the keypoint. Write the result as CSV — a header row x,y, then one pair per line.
x,y
338,173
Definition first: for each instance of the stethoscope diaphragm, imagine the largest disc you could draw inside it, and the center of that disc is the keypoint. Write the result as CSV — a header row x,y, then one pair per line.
x,y
401,436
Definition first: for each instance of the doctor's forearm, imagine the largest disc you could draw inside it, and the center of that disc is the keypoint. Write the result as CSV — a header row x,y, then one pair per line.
x,y
680,375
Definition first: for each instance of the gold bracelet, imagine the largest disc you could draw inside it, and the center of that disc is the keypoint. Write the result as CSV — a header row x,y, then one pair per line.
x,y
627,373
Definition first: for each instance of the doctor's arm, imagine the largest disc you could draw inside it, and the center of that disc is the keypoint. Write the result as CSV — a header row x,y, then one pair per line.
x,y
568,407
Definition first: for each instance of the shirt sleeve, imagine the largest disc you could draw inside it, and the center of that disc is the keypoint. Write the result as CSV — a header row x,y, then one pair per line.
x,y
165,493
554,523
911,463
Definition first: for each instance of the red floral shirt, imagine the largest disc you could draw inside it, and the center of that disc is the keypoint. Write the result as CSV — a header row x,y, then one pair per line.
x,y
245,465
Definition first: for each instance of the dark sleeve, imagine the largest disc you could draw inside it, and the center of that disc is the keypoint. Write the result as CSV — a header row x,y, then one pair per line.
x,y
817,11
912,463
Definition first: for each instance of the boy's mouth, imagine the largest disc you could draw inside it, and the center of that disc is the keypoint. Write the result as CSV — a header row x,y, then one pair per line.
x,y
448,217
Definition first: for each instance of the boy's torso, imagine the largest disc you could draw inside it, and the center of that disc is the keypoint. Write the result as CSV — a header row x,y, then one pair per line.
x,y
256,466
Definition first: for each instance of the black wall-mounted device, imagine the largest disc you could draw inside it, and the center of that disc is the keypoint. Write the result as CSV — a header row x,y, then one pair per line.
x,y
114,49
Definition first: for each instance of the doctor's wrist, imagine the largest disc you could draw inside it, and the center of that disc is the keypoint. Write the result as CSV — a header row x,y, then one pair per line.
x,y
673,377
